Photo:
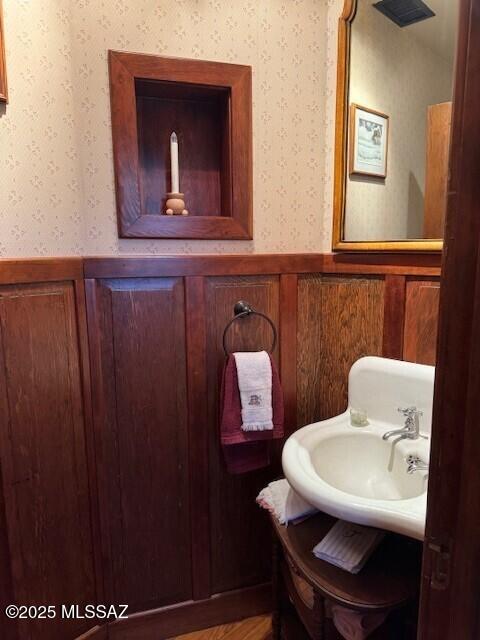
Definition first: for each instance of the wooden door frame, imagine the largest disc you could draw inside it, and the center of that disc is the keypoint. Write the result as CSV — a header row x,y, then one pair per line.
x,y
451,568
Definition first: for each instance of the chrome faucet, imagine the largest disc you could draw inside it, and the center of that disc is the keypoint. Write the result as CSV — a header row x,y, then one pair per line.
x,y
411,430
416,464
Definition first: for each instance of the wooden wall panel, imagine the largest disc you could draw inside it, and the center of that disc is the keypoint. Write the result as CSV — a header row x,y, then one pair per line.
x,y
196,342
393,319
425,265
339,320
174,524
137,336
421,321
8,628
240,536
288,348
44,467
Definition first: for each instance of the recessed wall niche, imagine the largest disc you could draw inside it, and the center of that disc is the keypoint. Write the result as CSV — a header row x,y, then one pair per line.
x,y
209,106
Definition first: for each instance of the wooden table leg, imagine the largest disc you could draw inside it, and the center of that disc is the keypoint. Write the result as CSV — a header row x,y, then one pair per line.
x,y
276,591
318,616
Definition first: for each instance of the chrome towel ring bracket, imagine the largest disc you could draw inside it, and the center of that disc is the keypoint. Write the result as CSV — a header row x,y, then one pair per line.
x,y
242,310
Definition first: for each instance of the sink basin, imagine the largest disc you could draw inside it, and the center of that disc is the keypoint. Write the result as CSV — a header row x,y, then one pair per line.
x,y
351,472
375,468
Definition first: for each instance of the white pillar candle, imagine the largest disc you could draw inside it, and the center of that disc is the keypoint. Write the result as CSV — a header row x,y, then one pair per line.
x,y
174,162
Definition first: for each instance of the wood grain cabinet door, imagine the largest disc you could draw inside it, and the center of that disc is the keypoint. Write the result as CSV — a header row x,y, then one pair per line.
x,y
138,361
43,460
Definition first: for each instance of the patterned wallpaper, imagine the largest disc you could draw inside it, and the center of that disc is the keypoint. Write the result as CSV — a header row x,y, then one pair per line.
x,y
57,194
41,202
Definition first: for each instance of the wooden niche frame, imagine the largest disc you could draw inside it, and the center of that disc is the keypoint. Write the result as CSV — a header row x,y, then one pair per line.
x,y
229,86
3,64
341,154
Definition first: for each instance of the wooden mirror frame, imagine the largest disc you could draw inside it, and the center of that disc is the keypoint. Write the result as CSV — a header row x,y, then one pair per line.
x,y
3,67
341,154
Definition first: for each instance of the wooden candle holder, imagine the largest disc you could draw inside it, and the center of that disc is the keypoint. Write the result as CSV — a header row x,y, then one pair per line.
x,y
175,205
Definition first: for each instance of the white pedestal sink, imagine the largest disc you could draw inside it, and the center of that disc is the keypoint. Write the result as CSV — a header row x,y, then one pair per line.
x,y
354,474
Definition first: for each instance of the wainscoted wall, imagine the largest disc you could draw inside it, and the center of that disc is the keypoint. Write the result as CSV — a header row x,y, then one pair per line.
x,y
113,484
48,555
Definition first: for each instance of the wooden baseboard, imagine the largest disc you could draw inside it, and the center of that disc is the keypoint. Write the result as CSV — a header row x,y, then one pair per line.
x,y
193,615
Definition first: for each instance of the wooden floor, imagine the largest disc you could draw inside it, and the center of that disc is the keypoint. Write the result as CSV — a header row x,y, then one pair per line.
x,y
258,628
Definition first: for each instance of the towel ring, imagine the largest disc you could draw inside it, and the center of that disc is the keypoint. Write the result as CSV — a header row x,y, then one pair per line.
x,y
242,310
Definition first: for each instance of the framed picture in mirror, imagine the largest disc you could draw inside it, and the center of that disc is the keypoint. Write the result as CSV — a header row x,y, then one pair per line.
x,y
3,66
369,146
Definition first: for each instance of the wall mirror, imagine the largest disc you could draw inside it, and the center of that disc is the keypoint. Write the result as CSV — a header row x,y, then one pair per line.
x,y
394,107
3,66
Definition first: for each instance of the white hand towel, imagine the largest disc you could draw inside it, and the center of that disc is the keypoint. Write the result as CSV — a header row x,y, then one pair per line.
x,y
348,545
283,502
356,625
254,372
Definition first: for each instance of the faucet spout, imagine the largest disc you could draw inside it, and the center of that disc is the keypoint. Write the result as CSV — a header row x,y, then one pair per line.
x,y
396,432
411,430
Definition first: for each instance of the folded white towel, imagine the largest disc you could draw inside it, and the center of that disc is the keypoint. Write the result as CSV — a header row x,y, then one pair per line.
x,y
254,371
356,625
284,503
348,545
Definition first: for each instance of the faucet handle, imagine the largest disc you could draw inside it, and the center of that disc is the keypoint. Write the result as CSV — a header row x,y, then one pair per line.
x,y
415,463
409,412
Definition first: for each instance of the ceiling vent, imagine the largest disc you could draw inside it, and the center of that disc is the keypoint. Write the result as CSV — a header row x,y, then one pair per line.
x,y
404,12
